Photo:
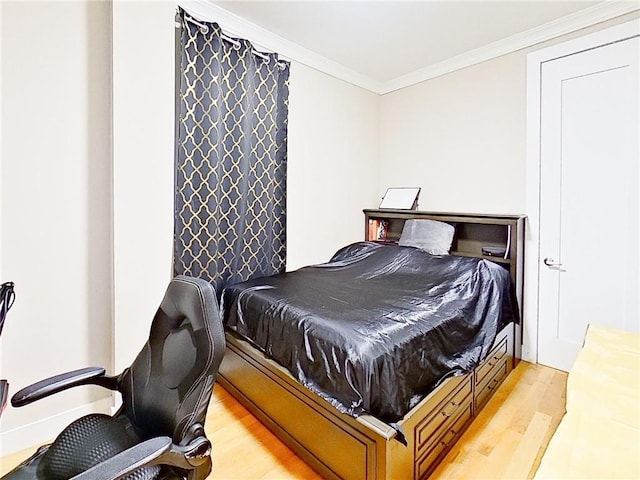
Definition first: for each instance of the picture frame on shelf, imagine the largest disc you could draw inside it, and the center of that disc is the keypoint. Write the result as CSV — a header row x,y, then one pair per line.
x,y
400,198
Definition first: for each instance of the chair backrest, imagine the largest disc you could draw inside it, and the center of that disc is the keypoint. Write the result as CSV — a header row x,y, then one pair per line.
x,y
7,296
167,389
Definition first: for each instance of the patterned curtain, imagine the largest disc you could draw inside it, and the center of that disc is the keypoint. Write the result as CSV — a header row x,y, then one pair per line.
x,y
231,157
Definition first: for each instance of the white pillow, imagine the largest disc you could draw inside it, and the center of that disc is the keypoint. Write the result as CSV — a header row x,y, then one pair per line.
x,y
429,235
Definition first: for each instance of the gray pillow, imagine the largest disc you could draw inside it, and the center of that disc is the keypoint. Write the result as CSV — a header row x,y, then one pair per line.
x,y
429,235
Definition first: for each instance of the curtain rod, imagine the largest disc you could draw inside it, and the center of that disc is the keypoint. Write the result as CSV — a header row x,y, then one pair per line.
x,y
204,29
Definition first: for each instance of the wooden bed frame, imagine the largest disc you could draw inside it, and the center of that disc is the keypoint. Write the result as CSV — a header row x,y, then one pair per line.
x,y
339,446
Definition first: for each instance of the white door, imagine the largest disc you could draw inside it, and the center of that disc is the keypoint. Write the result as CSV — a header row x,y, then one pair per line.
x,y
589,216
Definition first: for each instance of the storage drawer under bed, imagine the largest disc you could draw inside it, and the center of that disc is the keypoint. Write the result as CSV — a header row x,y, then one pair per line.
x,y
490,374
483,372
454,427
438,431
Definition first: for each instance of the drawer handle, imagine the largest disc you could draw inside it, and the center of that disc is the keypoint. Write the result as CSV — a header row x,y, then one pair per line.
x,y
448,414
494,360
492,384
454,436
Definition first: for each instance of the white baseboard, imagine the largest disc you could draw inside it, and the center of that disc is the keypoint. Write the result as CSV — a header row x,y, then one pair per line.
x,y
42,431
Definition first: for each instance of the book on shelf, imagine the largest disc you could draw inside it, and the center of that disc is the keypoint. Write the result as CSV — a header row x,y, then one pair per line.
x,y
377,229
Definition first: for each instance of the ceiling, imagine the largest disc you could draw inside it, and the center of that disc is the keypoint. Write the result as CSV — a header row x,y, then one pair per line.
x,y
383,41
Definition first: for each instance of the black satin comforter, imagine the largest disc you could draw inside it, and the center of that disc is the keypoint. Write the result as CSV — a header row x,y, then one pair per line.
x,y
376,328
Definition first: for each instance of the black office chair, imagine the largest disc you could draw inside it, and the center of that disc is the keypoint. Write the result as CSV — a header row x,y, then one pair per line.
x,y
7,297
158,433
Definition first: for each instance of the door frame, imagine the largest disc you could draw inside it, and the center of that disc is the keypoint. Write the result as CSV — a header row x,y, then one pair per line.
x,y
532,242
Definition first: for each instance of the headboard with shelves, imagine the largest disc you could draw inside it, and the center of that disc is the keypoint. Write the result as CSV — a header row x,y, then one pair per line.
x,y
473,232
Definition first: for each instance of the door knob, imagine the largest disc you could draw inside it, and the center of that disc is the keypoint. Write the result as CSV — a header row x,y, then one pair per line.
x,y
552,264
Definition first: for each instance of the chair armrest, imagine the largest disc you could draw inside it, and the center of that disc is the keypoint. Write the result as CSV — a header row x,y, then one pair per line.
x,y
130,460
4,392
58,383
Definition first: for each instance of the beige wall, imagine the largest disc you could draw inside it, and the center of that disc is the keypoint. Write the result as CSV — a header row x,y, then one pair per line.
x,y
143,131
462,136
332,171
56,197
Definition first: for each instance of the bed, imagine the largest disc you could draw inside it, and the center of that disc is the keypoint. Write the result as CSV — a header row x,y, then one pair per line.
x,y
375,396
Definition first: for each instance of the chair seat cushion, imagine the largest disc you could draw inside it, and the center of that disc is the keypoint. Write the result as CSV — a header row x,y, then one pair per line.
x,y
88,441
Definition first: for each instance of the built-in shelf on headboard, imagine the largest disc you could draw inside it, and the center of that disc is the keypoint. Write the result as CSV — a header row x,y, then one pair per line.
x,y
473,232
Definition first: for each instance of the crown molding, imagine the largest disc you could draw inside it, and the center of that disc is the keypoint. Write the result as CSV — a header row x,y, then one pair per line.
x,y
262,38
584,18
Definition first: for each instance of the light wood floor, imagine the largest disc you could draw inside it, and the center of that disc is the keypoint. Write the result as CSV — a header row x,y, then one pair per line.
x,y
505,441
